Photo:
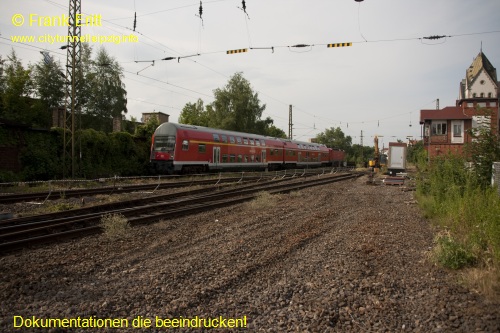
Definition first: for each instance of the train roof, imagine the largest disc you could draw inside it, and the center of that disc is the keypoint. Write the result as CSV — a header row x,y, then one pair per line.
x,y
171,128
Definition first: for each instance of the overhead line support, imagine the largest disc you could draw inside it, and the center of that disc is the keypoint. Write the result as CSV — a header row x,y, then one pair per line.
x,y
73,69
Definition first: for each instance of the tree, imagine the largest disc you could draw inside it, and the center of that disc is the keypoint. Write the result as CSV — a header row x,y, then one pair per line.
x,y
49,83
109,97
147,130
416,153
49,79
483,151
335,138
194,114
236,107
270,129
2,84
16,90
84,78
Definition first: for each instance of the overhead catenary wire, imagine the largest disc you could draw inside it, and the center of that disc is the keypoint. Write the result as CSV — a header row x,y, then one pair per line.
x,y
374,41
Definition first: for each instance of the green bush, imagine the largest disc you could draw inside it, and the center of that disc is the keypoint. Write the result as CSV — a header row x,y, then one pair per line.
x,y
454,197
452,254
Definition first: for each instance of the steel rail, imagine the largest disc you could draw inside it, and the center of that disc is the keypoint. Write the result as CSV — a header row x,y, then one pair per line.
x,y
18,236
116,189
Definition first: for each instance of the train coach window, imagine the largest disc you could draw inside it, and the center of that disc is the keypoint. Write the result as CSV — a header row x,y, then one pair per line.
x,y
232,158
224,138
240,158
216,137
185,145
245,141
238,139
231,139
251,141
164,143
224,158
202,148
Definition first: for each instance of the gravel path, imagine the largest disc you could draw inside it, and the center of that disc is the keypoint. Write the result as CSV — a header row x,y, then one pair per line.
x,y
346,257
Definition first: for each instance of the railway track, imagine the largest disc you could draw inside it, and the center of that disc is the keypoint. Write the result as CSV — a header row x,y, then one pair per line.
x,y
108,190
117,188
27,231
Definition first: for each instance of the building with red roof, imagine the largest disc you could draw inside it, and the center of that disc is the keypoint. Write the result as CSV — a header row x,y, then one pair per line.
x,y
450,129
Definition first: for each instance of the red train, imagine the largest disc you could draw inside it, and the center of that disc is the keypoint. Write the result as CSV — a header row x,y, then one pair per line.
x,y
178,148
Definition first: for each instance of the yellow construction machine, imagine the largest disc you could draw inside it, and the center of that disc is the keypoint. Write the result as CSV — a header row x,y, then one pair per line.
x,y
375,163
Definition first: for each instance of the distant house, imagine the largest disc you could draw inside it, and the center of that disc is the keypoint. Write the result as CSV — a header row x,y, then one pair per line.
x,y
162,117
448,129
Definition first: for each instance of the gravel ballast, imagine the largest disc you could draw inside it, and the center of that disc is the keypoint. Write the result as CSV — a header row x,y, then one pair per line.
x,y
345,257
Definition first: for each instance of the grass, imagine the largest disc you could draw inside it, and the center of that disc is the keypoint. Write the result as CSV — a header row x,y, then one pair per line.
x,y
263,200
469,217
485,280
115,226
450,253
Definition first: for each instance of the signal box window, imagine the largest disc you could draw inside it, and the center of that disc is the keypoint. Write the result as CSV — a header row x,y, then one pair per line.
x,y
240,158
224,158
224,138
439,128
271,152
238,139
231,139
262,142
202,148
245,141
251,142
216,138
257,142
232,158
185,145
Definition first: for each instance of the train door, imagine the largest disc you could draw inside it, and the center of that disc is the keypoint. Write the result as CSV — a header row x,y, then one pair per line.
x,y
216,157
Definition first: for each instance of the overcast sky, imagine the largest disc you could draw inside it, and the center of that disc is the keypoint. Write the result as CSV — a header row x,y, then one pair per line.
x,y
378,85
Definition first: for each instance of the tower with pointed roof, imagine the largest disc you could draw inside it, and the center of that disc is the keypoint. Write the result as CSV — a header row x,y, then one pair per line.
x,y
480,80
479,93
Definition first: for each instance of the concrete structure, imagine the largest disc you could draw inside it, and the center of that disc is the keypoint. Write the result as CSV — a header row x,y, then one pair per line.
x,y
450,129
117,123
162,117
58,117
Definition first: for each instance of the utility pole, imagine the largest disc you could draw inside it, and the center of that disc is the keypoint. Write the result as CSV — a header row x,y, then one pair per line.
x,y
361,143
73,59
290,124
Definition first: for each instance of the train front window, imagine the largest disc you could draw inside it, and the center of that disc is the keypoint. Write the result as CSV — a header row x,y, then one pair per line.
x,y
164,143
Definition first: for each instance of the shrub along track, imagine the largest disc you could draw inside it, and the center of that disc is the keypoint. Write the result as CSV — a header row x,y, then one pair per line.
x,y
22,232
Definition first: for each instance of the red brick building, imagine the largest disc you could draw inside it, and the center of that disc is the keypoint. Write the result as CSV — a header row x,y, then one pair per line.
x,y
448,129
